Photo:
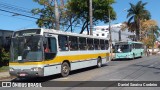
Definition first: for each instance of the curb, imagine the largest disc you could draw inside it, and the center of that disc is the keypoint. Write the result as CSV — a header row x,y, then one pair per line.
x,y
7,77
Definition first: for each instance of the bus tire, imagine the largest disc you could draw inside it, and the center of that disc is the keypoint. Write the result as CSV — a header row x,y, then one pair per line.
x,y
65,69
99,62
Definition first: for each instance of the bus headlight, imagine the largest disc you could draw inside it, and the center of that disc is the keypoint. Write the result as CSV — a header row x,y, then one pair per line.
x,y
36,69
11,69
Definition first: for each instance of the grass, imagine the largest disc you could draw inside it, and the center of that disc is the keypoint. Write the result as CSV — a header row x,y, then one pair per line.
x,y
4,68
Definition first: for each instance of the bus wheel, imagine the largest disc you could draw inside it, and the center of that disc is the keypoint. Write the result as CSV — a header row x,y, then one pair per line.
x,y
99,62
65,69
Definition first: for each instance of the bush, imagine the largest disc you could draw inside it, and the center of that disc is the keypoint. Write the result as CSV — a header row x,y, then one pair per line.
x,y
4,57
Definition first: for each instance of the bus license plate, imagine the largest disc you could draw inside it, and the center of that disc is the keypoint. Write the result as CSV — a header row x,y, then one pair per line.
x,y
22,74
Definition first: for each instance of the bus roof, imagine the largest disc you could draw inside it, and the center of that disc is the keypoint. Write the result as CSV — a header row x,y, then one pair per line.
x,y
52,31
41,31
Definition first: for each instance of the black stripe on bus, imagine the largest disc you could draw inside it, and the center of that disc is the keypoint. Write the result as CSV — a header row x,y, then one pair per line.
x,y
71,62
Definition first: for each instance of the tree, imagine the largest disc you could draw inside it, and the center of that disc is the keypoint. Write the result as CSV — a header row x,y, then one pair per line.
x,y
48,18
81,9
4,57
136,14
47,15
146,27
153,35
74,12
150,33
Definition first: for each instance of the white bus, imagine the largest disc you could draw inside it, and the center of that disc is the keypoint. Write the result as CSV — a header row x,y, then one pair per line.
x,y
44,52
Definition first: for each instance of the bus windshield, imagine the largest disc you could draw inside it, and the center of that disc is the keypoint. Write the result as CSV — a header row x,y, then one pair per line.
x,y
122,48
27,48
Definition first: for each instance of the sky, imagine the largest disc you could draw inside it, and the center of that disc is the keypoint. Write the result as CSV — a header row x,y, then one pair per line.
x,y
16,22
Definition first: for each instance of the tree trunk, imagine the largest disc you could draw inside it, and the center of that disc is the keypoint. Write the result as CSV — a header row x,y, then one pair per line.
x,y
152,48
56,15
71,24
137,35
83,27
137,29
88,29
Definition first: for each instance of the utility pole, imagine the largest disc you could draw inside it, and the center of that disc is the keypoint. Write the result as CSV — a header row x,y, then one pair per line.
x,y
56,14
110,33
91,15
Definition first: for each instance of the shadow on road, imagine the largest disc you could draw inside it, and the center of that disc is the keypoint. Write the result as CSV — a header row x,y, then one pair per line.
x,y
48,78
124,59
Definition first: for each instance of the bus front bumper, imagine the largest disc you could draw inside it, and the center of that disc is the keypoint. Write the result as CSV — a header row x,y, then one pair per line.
x,y
27,72
123,56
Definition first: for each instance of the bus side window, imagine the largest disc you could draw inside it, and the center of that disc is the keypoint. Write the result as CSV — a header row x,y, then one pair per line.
x,y
133,46
63,43
96,44
45,45
73,43
50,48
82,43
90,44
102,45
106,44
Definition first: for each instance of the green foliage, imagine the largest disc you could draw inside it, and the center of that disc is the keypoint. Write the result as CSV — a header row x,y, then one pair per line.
x,y
4,55
74,12
47,15
136,14
100,11
4,68
151,36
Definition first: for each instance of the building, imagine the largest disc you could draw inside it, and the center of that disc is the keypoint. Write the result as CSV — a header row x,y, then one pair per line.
x,y
117,33
5,39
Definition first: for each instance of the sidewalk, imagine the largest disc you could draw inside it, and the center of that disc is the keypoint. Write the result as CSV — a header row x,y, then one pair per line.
x,y
4,75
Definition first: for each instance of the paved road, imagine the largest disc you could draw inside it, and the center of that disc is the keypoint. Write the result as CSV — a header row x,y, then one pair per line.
x,y
141,69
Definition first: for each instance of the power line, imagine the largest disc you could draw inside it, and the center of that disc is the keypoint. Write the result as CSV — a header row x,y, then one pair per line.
x,y
10,8
16,17
18,14
27,16
7,6
13,7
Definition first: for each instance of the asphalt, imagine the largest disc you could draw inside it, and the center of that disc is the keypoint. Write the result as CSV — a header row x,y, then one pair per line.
x,y
140,69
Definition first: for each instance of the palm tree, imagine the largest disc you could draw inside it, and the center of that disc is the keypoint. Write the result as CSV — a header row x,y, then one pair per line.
x,y
136,14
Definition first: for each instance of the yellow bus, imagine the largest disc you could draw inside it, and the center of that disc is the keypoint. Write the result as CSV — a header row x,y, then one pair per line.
x,y
44,52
